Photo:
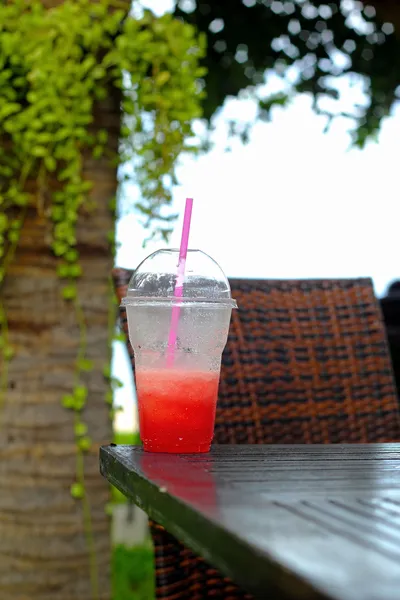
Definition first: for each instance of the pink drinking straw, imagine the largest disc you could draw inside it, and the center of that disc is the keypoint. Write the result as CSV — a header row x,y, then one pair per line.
x,y
180,278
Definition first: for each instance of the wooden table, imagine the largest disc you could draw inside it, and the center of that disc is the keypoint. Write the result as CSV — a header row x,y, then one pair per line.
x,y
300,522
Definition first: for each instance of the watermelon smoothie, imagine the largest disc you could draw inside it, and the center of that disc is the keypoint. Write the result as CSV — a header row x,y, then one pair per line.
x,y
176,409
177,375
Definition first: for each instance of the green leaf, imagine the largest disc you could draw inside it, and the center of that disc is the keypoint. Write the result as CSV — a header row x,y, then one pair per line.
x,y
69,292
201,72
77,491
3,222
9,109
125,131
100,93
80,392
108,509
98,72
59,248
80,429
86,186
13,236
102,136
31,97
85,443
21,199
39,151
63,270
80,396
50,163
109,397
8,352
88,63
68,401
119,337
84,364
97,151
162,78
116,383
75,270
107,372
112,205
72,255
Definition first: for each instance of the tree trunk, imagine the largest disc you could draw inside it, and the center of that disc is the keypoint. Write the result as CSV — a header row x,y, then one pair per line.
x,y
43,549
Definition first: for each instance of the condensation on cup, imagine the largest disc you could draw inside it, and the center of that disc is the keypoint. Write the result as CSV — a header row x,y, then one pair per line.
x,y
177,387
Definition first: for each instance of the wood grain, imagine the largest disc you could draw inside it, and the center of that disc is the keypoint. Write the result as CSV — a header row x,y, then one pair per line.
x,y
309,521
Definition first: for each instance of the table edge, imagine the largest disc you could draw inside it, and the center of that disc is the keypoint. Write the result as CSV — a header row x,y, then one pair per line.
x,y
161,506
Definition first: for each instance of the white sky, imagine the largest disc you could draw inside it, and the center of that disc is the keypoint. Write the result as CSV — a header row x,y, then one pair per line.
x,y
293,203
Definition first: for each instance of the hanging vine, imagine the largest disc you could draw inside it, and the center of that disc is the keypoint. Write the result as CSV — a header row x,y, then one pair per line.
x,y
55,66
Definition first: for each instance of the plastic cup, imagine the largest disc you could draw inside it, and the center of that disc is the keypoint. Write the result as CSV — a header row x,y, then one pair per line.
x,y
177,393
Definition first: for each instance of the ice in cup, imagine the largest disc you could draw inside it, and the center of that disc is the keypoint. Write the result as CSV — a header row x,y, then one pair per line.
x,y
177,388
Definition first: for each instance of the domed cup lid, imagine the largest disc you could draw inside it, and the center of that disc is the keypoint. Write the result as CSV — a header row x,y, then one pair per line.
x,y
154,280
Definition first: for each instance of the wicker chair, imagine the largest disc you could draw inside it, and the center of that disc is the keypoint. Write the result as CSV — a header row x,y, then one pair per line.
x,y
306,362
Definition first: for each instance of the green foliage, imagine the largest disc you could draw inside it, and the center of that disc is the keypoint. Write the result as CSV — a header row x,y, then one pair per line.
x,y
315,42
77,491
80,429
126,439
56,66
133,573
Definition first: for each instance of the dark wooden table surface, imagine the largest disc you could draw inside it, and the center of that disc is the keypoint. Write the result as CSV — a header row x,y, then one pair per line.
x,y
298,522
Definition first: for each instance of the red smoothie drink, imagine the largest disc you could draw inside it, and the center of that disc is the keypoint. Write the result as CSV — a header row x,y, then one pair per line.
x,y
176,409
177,383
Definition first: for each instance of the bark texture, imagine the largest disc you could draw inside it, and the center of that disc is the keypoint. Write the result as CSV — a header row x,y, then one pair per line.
x,y
43,551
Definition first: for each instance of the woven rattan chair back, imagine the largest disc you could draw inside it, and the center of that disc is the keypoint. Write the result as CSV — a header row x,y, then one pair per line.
x,y
306,362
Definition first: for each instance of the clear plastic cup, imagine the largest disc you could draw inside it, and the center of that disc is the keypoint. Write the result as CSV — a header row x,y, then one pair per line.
x,y
177,393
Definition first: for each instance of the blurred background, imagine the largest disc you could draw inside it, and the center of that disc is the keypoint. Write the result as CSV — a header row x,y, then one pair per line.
x,y
296,200
301,196
295,177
